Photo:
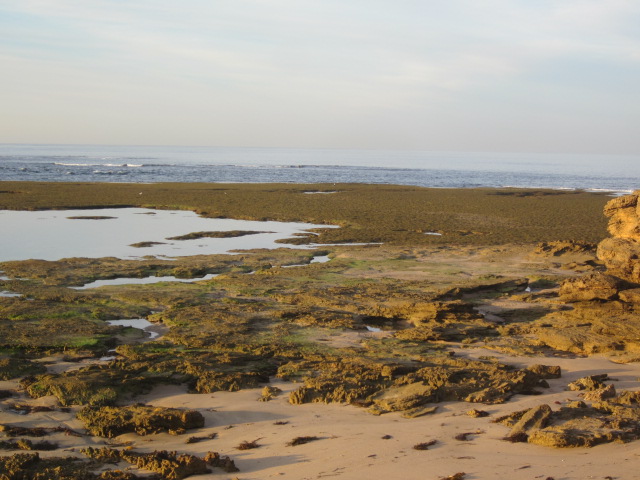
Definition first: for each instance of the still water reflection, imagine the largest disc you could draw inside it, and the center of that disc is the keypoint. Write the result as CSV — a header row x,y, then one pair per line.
x,y
54,234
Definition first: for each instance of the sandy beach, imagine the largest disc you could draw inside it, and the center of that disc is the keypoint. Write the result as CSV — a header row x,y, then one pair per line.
x,y
353,444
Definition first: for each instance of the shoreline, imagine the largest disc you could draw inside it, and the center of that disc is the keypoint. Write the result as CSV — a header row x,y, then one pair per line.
x,y
613,192
138,164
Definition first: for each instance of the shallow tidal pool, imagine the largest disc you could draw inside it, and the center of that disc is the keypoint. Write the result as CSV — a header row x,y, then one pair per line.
x,y
56,234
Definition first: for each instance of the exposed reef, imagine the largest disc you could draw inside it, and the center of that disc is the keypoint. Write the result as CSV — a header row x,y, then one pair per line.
x,y
365,213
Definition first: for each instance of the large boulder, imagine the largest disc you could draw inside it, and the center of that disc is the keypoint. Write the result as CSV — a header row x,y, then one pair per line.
x,y
623,213
621,253
621,256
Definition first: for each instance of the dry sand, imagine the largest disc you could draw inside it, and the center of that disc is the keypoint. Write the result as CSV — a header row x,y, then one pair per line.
x,y
351,442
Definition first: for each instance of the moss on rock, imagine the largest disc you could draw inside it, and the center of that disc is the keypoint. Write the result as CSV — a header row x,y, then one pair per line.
x,y
110,422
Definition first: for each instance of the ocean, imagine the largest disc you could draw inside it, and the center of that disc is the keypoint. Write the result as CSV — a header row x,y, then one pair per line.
x,y
152,164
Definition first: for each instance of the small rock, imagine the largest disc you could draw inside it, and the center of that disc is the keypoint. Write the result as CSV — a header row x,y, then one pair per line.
x,y
533,419
477,413
419,412
455,476
598,395
592,382
546,371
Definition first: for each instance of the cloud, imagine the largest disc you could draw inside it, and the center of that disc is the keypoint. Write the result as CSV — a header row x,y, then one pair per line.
x,y
365,63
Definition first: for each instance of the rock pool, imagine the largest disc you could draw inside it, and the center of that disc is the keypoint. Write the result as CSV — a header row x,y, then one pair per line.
x,y
55,234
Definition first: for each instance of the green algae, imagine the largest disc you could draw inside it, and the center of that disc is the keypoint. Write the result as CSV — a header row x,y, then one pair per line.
x,y
80,271
56,319
237,330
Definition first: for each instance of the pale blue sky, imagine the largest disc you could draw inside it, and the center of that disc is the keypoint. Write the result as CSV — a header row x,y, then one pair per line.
x,y
495,75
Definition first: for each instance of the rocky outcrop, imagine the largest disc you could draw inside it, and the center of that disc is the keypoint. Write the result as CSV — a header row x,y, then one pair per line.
x,y
621,253
610,419
623,213
593,286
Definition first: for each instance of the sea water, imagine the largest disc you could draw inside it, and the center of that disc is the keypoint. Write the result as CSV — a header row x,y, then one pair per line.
x,y
55,234
150,164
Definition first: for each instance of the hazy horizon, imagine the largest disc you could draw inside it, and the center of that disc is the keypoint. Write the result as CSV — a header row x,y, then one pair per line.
x,y
46,149
461,76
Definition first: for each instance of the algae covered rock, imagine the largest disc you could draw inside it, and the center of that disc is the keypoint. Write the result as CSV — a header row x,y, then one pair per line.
x,y
412,387
452,321
452,331
96,384
212,381
269,393
170,465
14,367
110,422
29,466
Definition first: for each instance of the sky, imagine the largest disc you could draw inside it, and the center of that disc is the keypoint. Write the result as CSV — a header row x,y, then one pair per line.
x,y
455,75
